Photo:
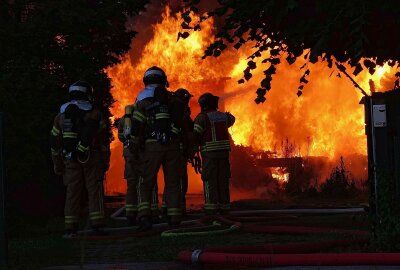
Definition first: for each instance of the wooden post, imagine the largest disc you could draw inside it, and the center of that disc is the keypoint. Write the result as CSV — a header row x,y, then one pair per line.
x,y
3,228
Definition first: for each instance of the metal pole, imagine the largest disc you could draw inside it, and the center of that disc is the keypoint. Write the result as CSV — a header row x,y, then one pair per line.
x,y
373,141
3,232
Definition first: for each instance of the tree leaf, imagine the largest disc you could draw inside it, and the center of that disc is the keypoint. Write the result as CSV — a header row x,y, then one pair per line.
x,y
303,80
260,99
369,64
248,76
271,70
274,61
371,71
251,64
186,18
396,84
290,59
266,83
183,35
274,52
357,70
217,53
186,26
237,45
261,92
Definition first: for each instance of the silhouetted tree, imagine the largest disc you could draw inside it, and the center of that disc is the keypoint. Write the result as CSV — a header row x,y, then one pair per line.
x,y
334,31
44,47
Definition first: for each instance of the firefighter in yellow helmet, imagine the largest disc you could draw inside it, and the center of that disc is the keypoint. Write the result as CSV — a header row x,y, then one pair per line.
x,y
160,121
211,129
81,152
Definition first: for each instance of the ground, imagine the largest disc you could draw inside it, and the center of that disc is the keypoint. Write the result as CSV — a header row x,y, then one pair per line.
x,y
40,244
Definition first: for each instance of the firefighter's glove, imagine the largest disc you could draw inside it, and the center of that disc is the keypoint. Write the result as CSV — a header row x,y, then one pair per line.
x,y
197,164
59,167
127,133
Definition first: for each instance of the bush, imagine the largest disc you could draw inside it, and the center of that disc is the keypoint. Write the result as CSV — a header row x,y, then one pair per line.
x,y
339,183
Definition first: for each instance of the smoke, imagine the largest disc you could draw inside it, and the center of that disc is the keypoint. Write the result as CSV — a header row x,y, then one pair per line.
x,y
249,178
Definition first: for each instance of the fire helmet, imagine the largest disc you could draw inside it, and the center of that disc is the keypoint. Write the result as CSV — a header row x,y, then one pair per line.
x,y
183,94
209,101
81,88
155,75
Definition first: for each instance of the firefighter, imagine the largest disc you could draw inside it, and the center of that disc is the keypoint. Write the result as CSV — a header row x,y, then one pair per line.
x,y
80,150
160,126
211,129
133,154
181,97
186,144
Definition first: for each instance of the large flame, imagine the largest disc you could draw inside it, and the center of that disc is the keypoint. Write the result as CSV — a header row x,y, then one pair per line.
x,y
327,120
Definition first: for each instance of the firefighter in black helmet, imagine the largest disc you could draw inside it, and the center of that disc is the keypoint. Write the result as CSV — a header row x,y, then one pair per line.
x,y
181,97
81,152
211,130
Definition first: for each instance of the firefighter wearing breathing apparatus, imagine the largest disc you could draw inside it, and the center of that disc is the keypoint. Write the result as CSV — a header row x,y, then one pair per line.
x,y
133,155
183,97
80,150
186,144
160,123
211,130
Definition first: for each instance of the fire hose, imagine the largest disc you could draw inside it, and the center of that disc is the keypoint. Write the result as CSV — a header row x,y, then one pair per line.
x,y
263,260
307,247
289,254
218,228
219,225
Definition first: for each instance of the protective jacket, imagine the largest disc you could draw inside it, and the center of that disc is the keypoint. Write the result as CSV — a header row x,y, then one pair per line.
x,y
212,126
161,121
79,128
88,130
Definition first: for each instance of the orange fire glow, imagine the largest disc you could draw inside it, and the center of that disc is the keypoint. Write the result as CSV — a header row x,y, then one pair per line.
x,y
327,120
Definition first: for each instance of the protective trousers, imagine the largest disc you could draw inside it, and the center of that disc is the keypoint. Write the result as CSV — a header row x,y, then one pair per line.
x,y
168,156
183,185
215,175
133,172
183,182
76,178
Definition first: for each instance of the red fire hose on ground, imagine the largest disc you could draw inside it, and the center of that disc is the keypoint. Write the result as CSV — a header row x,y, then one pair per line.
x,y
240,259
308,247
293,254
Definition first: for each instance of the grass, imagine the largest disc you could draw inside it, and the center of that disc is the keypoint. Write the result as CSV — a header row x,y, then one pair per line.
x,y
34,244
